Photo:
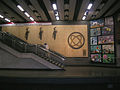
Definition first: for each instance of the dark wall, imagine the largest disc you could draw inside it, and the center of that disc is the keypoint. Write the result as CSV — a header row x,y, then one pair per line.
x,y
117,36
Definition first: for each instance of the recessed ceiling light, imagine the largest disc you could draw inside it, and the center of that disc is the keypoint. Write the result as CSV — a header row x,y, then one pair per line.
x,y
1,16
27,14
54,6
89,6
20,7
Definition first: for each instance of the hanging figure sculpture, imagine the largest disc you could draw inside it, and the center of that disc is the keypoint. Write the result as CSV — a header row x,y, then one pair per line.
x,y
40,33
54,33
26,33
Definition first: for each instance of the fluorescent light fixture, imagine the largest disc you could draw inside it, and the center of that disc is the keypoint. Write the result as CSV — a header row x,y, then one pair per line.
x,y
20,7
56,14
27,14
7,19
84,17
57,18
54,6
1,16
31,19
89,6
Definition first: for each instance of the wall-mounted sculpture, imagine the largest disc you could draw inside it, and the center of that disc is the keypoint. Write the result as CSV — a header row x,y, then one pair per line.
x,y
54,33
27,33
76,40
40,33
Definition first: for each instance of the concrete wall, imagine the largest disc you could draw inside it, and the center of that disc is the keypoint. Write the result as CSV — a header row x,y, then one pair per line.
x,y
60,44
9,61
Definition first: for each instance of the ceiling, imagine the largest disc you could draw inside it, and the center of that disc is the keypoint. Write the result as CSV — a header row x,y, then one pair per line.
x,y
69,10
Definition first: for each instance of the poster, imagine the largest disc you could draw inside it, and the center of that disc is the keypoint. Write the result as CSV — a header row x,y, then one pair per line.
x,y
107,30
96,57
108,58
106,39
97,23
96,49
93,40
108,49
95,32
109,21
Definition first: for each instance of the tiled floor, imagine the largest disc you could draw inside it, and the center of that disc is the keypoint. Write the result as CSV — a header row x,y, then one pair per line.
x,y
70,71
83,77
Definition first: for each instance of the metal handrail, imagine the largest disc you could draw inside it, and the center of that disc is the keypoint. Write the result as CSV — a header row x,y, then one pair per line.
x,y
25,47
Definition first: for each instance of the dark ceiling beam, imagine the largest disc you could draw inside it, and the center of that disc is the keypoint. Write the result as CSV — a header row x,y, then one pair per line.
x,y
13,5
105,8
27,9
41,3
92,11
14,12
114,9
112,6
60,5
83,9
77,9
71,9
39,10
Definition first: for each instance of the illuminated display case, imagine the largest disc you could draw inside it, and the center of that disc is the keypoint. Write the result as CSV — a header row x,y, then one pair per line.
x,y
102,44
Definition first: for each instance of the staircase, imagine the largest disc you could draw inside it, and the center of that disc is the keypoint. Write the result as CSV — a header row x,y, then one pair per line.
x,y
23,49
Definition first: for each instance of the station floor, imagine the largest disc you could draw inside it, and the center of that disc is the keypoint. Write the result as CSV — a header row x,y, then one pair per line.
x,y
91,76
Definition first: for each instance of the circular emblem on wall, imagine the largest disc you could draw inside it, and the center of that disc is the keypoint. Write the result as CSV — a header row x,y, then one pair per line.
x,y
76,40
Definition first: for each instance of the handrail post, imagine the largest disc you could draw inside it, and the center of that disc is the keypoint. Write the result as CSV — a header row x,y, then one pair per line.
x,y
25,47
36,49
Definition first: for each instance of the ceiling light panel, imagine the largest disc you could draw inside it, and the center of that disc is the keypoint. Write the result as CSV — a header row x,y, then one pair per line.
x,y
84,17
21,9
31,19
1,16
54,6
89,6
7,19
26,14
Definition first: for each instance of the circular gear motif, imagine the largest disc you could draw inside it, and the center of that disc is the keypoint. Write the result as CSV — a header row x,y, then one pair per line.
x,y
76,40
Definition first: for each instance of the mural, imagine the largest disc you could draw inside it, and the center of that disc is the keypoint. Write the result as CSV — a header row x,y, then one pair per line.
x,y
108,48
76,40
96,57
102,40
107,30
106,39
108,58
97,23
95,32
96,49
93,40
